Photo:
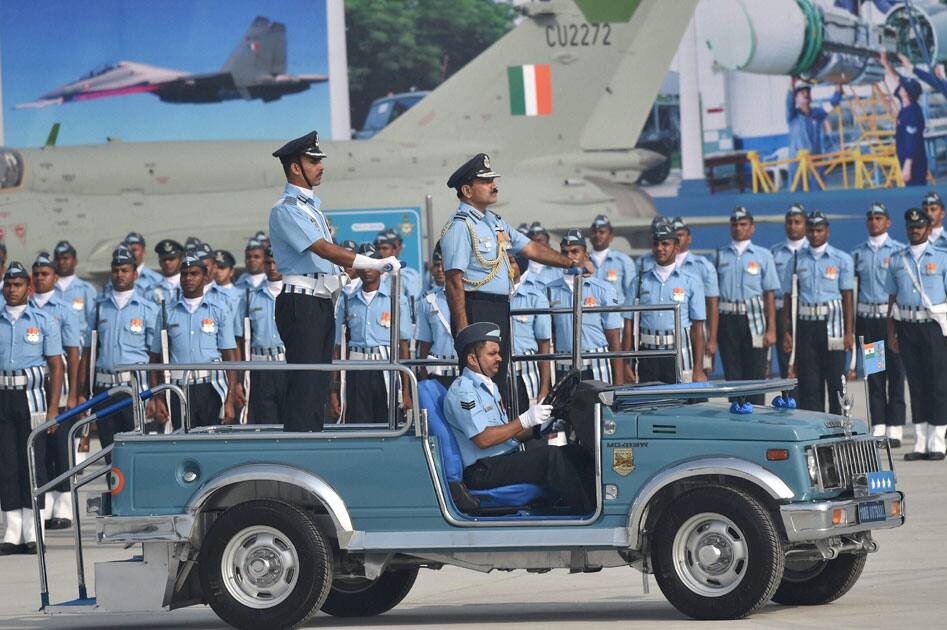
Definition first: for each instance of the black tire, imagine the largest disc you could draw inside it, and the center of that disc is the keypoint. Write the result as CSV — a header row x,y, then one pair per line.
x,y
744,557
819,582
367,598
265,533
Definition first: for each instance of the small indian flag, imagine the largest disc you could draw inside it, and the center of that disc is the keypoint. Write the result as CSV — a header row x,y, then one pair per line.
x,y
530,90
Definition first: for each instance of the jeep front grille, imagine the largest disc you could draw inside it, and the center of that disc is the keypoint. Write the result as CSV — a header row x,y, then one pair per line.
x,y
841,464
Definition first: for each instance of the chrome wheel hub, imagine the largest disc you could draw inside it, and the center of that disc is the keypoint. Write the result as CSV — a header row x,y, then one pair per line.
x,y
260,567
710,554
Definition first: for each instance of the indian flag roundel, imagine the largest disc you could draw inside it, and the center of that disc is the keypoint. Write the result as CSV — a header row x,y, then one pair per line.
x,y
530,90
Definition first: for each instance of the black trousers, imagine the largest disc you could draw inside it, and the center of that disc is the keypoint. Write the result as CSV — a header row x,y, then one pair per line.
x,y
741,361
782,358
15,428
489,307
660,369
119,421
568,471
57,453
924,354
203,406
366,398
817,368
267,390
885,389
306,325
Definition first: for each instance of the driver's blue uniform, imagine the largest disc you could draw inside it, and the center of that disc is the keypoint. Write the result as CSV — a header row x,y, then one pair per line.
x,y
472,405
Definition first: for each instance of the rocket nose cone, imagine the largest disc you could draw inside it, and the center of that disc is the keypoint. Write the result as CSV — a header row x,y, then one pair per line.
x,y
762,36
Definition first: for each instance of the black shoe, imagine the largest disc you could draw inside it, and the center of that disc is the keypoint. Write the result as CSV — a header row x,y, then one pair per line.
x,y
7,549
914,456
58,523
935,456
894,442
28,549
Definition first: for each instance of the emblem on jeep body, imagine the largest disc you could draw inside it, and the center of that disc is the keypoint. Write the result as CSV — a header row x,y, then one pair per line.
x,y
623,461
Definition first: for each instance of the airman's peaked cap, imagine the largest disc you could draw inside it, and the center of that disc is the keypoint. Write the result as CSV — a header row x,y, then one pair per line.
x,y
915,217
304,145
877,208
168,248
223,258
15,270
122,256
816,217
477,167
932,198
43,259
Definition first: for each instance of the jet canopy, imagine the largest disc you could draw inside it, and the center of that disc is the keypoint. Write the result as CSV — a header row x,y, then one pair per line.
x,y
11,169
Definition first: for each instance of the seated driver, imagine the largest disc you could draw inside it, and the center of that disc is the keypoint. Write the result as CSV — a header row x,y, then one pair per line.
x,y
491,446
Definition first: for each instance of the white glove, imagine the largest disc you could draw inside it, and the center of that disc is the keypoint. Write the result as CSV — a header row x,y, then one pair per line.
x,y
535,416
390,264
380,264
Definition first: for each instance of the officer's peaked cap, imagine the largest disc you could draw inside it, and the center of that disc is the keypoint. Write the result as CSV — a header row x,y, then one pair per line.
x,y
877,208
168,248
223,258
476,167
15,270
933,198
573,236
123,256
474,333
43,259
304,145
816,217
64,247
739,213
914,217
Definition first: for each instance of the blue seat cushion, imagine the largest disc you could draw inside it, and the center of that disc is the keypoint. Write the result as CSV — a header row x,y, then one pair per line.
x,y
431,394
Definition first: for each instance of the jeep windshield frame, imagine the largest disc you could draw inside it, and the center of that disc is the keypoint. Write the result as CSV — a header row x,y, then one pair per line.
x,y
633,394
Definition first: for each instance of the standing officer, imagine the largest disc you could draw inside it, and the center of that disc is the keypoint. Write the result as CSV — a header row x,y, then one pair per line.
x,y
701,268
532,334
125,322
58,512
872,260
147,277
664,282
784,255
933,205
199,331
309,261
748,284
433,331
475,243
267,388
30,357
917,325
254,261
825,330
613,267
168,289
76,292
367,314
601,332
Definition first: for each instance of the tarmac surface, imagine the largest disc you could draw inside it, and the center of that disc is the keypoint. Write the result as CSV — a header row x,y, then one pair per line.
x,y
903,585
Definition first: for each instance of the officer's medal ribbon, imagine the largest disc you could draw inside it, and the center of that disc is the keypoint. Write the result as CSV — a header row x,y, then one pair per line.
x,y
208,326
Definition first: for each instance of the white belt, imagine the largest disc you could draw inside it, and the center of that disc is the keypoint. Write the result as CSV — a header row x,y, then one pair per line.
x,y
366,354
13,382
267,354
814,310
657,340
872,311
913,314
732,308
194,376
318,285
112,378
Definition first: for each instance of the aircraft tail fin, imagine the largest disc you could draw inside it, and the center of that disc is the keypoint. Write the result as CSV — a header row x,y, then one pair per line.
x,y
571,77
261,51
53,135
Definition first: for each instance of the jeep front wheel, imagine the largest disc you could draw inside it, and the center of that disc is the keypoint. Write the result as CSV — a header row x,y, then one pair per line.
x,y
716,553
361,597
265,564
816,582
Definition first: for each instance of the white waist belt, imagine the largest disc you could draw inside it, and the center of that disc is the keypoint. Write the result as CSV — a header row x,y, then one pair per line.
x,y
193,376
112,378
317,284
913,314
732,308
872,311
367,354
814,310
657,340
268,354
13,382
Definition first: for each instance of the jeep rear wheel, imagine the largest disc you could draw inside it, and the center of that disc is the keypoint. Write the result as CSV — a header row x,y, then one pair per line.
x,y
265,564
716,553
361,597
816,582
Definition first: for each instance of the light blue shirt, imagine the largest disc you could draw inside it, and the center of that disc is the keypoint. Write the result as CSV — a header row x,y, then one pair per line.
x,y
369,324
618,270
125,335
680,288
80,296
871,267
822,280
546,276
147,278
490,229
70,327
783,257
262,311
29,341
296,222
196,337
229,299
695,265
470,406
431,328
747,275
528,329
941,241
594,293
930,271
244,281
411,282
162,292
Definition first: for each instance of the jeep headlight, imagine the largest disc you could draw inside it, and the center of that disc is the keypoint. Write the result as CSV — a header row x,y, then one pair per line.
x,y
811,465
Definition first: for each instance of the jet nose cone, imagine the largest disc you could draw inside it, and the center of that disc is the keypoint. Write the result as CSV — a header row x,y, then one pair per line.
x,y
648,159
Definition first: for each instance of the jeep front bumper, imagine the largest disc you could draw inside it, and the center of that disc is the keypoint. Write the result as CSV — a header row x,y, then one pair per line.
x,y
825,519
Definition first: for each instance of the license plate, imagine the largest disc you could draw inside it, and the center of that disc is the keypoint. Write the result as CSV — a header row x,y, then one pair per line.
x,y
871,511
880,482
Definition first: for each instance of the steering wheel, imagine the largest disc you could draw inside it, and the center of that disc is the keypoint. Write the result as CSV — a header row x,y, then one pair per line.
x,y
560,398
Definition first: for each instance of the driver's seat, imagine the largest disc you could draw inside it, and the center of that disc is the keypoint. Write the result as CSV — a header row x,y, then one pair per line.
x,y
500,500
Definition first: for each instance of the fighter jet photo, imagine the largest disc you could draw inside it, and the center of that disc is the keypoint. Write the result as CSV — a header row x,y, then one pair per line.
x,y
256,69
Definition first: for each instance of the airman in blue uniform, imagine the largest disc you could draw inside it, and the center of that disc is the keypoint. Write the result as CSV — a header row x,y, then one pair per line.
x,y
917,325
367,315
611,266
199,331
267,388
168,289
532,334
536,272
825,330
665,283
254,261
784,255
933,205
30,351
147,277
475,244
601,332
76,292
311,265
872,259
224,263
432,334
490,443
390,243
748,284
